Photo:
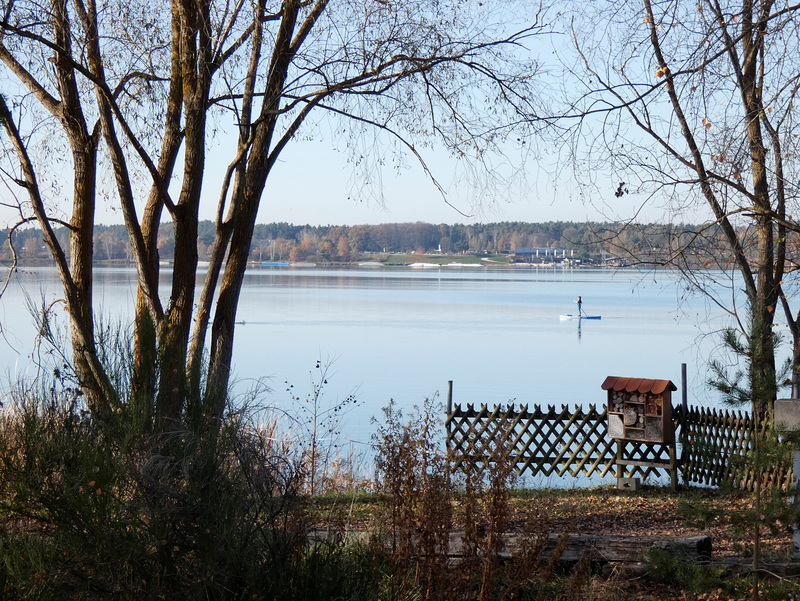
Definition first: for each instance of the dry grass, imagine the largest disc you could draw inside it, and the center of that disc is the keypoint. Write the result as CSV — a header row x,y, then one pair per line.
x,y
648,512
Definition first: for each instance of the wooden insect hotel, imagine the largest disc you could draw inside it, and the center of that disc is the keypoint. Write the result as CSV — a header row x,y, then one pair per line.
x,y
640,409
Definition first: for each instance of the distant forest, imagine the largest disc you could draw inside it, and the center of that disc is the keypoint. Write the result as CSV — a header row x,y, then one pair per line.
x,y
331,244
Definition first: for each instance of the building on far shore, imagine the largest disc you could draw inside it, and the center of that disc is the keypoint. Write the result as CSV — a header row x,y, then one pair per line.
x,y
543,254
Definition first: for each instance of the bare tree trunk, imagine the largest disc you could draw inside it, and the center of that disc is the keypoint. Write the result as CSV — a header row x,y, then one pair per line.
x,y
81,234
146,324
173,333
259,166
762,364
97,389
225,223
94,381
760,284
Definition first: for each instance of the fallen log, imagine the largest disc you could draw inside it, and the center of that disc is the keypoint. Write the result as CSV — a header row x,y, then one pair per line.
x,y
596,548
607,548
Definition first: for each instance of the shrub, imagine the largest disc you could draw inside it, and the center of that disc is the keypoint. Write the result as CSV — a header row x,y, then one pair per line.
x,y
422,495
101,508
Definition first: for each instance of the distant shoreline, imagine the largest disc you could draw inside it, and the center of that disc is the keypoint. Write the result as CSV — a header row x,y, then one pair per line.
x,y
412,262
383,260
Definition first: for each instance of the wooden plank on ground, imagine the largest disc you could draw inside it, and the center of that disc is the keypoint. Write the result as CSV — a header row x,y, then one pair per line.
x,y
600,548
608,548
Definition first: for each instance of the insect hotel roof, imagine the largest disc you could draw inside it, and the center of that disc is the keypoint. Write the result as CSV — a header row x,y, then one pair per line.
x,y
640,385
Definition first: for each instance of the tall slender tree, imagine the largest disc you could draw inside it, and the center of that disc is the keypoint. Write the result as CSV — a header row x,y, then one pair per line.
x,y
696,108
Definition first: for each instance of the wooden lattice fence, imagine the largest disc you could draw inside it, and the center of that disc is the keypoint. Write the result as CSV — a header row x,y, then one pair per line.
x,y
710,446
715,446
541,442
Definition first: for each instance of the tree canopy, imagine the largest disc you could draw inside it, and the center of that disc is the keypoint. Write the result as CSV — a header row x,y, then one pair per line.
x,y
136,90
693,104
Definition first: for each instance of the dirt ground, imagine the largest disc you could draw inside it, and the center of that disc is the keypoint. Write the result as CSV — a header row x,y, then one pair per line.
x,y
647,512
656,512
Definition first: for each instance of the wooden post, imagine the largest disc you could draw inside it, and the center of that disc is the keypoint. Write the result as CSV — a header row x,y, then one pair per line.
x,y
787,418
684,394
796,501
449,418
449,396
684,421
673,467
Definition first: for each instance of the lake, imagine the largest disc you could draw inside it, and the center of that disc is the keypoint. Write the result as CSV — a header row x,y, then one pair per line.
x,y
403,333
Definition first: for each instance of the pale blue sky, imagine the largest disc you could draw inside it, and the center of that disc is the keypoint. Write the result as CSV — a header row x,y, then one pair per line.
x,y
313,183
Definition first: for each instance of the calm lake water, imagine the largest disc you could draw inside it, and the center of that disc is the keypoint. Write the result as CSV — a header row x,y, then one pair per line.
x,y
403,333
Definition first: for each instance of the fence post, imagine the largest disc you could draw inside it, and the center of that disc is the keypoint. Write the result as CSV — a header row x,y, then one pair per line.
x,y
684,421
673,467
449,418
684,393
